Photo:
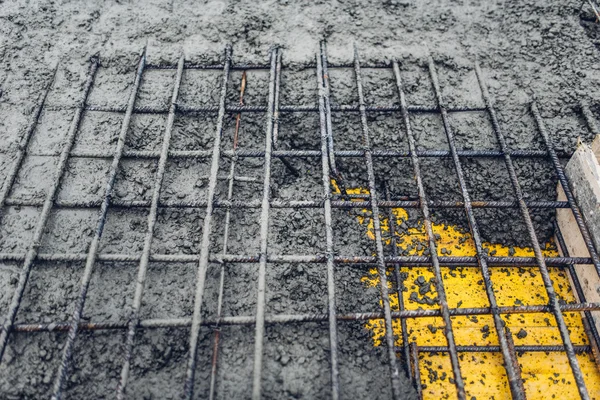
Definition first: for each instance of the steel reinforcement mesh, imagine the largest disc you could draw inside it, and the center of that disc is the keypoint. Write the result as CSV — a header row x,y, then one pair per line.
x,y
223,153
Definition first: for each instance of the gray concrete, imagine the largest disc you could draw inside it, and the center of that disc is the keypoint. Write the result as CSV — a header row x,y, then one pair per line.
x,y
526,49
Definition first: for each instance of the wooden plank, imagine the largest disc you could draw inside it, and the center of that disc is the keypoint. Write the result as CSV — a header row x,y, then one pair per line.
x,y
583,171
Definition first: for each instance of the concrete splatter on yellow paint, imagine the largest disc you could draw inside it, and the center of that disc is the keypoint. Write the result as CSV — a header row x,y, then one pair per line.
x,y
546,375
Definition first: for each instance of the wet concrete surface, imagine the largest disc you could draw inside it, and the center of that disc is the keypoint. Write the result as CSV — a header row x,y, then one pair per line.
x,y
527,50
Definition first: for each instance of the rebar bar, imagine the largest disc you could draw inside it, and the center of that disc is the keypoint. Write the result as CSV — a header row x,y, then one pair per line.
x,y
289,318
326,177
399,284
463,261
231,179
249,153
264,231
206,232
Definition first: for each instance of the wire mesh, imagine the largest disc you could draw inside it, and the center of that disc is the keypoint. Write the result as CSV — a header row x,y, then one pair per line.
x,y
331,163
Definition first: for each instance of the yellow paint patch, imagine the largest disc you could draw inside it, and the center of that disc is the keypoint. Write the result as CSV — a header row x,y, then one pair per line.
x,y
546,375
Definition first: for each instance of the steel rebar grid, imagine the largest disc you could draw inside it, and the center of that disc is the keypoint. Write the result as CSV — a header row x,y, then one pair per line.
x,y
289,318
93,249
46,209
152,214
206,231
264,231
318,258
381,265
325,165
511,364
24,142
435,262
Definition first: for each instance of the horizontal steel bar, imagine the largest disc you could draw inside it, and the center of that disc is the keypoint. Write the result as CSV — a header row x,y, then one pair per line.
x,y
266,67
237,108
291,318
309,108
308,259
190,65
147,154
358,203
496,349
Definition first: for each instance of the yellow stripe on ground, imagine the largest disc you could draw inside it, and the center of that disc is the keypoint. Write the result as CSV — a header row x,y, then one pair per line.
x,y
546,375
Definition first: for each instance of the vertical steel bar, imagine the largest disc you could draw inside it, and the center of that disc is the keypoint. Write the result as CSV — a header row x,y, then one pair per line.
x,y
381,267
399,283
264,232
92,254
286,163
152,215
511,364
331,303
326,99
439,283
230,179
275,133
24,142
414,352
206,232
553,298
46,209
327,103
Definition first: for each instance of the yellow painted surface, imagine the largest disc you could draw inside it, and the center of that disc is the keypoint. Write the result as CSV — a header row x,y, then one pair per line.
x,y
546,375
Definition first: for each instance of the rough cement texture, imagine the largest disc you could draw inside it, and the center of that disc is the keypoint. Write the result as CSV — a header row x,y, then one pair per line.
x,y
527,49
